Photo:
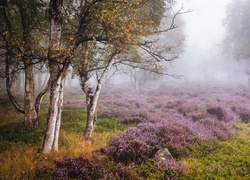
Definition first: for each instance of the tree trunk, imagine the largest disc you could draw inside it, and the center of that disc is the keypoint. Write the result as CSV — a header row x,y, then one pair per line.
x,y
50,142
30,115
57,71
92,97
91,117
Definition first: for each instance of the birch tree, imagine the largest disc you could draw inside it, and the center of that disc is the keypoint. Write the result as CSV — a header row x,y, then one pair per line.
x,y
122,32
19,22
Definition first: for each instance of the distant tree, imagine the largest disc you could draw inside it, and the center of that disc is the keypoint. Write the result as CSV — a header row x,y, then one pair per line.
x,y
237,40
138,78
169,45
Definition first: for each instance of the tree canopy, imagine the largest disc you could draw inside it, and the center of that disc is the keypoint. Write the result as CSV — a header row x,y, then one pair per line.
x,y
92,35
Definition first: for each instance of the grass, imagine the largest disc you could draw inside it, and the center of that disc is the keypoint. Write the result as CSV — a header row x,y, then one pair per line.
x,y
19,143
228,160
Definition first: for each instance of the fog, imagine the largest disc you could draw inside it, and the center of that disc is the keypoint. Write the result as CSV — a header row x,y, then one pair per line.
x,y
203,58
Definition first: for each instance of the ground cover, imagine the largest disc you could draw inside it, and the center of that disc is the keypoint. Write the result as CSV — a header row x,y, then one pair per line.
x,y
205,129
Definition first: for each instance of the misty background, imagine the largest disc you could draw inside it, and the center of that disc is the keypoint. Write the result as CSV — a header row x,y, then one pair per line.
x,y
203,59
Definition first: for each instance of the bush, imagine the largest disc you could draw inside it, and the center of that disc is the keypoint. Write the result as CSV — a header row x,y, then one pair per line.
x,y
78,168
222,113
218,130
140,143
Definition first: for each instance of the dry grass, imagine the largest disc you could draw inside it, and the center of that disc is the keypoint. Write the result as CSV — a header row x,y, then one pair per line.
x,y
20,160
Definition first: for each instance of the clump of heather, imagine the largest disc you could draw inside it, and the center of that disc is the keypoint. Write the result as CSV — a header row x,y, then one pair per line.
x,y
119,171
41,172
216,130
137,144
222,113
243,110
74,168
140,143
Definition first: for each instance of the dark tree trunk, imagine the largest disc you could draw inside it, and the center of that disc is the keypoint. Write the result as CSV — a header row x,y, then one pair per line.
x,y
30,114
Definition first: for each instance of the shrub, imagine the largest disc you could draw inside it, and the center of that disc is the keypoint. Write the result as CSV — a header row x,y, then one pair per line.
x,y
222,113
218,130
140,143
74,168
134,145
119,171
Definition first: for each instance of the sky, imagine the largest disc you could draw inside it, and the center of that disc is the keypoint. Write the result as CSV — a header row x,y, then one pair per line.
x,y
204,30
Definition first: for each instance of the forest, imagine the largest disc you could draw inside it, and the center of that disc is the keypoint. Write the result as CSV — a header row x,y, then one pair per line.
x,y
124,89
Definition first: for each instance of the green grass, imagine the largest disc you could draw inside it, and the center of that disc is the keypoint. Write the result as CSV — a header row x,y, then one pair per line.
x,y
227,160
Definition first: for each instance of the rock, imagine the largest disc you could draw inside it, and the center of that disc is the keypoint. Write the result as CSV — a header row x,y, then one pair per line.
x,y
163,155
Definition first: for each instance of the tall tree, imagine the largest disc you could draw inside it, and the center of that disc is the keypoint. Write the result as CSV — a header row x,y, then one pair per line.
x,y
20,21
123,28
58,65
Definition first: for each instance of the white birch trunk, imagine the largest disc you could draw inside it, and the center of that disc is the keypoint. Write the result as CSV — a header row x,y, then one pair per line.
x,y
57,78
54,117
92,106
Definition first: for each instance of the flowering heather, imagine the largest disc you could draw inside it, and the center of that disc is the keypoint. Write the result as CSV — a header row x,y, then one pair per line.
x,y
243,110
70,168
172,119
140,143
222,113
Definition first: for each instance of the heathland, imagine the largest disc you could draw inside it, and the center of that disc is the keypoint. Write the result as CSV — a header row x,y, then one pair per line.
x,y
205,128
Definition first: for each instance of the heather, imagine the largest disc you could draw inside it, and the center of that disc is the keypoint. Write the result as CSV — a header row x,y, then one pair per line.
x,y
206,130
